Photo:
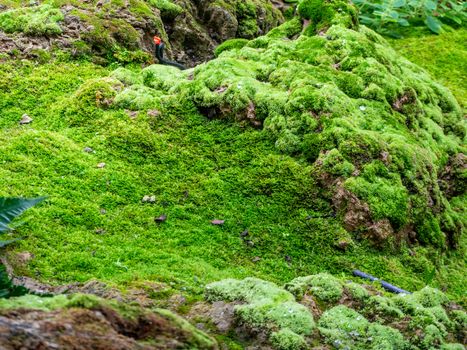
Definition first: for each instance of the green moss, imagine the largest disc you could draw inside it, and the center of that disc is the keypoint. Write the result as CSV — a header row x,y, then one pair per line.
x,y
36,20
268,307
231,44
429,297
199,339
444,56
323,286
344,327
86,103
382,307
285,339
325,13
34,302
127,77
168,9
356,291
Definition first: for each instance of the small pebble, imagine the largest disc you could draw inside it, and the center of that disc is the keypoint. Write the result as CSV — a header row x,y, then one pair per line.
x,y
149,199
217,222
250,243
25,119
88,150
101,165
256,259
161,218
153,113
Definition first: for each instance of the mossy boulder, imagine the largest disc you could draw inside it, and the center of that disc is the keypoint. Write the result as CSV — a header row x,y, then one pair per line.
x,y
85,321
266,307
379,132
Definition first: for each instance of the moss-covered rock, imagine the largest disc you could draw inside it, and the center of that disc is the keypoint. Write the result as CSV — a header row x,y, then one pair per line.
x,y
266,307
89,322
364,318
377,129
323,286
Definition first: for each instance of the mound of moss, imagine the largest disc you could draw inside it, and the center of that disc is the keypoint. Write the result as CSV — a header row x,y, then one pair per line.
x,y
378,130
266,308
354,316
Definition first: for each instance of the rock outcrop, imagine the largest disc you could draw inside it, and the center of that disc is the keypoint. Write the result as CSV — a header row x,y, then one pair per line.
x,y
123,31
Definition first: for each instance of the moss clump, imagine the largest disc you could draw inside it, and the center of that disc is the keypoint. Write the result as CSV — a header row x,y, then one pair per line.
x,y
253,17
325,13
381,307
356,291
344,327
363,321
168,9
88,101
285,339
231,44
267,307
323,286
37,20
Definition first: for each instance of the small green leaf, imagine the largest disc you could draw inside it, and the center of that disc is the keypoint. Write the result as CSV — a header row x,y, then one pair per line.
x,y
13,207
430,5
5,243
398,3
433,24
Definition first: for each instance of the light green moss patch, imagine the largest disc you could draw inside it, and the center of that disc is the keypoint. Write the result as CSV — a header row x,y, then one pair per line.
x,y
323,286
267,307
344,327
36,20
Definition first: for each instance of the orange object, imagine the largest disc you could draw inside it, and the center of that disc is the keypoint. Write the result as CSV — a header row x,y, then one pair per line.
x,y
157,40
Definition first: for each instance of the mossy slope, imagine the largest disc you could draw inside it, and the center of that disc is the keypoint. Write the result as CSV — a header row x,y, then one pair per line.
x,y
377,129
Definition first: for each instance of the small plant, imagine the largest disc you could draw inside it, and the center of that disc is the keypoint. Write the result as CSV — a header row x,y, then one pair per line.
x,y
388,16
10,208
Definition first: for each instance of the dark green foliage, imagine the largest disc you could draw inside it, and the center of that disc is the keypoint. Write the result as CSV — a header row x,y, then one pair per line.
x,y
11,208
7,289
388,16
